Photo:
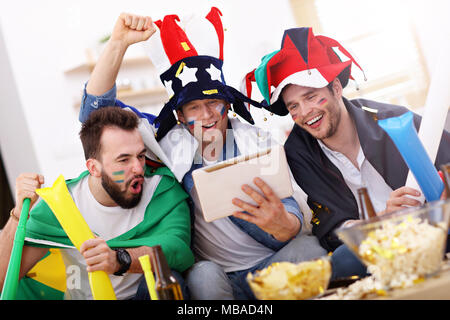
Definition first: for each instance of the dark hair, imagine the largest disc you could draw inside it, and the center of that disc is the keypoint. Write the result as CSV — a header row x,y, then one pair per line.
x,y
92,129
343,79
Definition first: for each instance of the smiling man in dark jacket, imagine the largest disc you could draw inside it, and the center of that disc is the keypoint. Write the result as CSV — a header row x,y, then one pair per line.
x,y
336,145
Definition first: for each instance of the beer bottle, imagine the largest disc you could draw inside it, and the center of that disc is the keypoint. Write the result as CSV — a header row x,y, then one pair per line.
x,y
367,210
445,168
167,287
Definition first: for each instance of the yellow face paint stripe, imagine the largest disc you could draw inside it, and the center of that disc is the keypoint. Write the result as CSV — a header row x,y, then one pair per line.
x,y
119,176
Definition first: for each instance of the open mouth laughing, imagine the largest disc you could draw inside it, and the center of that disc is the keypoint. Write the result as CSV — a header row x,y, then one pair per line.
x,y
209,125
315,121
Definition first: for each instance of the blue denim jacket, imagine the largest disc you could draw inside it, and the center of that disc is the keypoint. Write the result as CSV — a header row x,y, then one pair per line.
x,y
90,103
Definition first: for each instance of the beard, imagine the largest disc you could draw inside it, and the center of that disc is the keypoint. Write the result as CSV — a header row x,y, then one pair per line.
x,y
118,195
334,118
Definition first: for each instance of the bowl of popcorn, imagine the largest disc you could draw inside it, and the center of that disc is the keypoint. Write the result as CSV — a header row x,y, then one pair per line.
x,y
401,248
291,281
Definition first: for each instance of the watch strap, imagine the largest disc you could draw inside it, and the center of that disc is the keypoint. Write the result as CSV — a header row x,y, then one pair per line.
x,y
124,262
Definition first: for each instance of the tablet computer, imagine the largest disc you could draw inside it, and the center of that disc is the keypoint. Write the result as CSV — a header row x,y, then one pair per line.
x,y
216,185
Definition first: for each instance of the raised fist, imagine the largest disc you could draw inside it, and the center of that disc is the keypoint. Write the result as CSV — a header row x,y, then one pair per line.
x,y
130,29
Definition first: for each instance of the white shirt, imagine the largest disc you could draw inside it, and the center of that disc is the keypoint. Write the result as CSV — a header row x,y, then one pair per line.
x,y
224,243
364,176
107,223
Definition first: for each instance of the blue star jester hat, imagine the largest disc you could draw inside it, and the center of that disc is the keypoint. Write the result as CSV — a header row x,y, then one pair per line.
x,y
188,55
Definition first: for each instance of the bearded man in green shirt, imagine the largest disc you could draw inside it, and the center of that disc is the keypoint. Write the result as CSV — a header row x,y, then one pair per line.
x,y
129,206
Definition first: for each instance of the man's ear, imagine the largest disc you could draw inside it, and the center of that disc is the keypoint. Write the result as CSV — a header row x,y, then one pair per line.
x,y
94,166
337,87
181,116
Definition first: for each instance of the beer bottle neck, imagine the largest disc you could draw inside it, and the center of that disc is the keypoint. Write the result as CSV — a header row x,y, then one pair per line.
x,y
366,205
162,267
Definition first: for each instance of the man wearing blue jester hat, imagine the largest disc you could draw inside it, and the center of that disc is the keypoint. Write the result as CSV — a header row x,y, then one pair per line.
x,y
336,145
193,130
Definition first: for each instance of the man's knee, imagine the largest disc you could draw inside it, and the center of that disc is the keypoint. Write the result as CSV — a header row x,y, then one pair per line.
x,y
206,268
302,248
207,280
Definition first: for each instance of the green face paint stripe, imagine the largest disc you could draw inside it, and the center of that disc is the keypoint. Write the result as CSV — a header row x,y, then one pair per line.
x,y
119,176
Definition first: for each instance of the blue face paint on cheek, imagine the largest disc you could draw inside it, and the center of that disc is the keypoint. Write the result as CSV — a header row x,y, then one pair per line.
x,y
191,121
119,176
221,108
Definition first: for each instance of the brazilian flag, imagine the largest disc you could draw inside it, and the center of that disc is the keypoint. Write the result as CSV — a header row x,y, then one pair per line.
x,y
166,223
46,280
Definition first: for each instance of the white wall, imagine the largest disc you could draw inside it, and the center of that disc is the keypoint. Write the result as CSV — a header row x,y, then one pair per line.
x,y
50,36
15,138
43,38
431,19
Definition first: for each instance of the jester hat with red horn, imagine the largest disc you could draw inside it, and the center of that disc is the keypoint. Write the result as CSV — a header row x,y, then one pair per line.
x,y
304,59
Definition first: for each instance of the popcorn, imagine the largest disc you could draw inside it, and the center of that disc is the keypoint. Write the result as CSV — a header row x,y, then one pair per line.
x,y
398,256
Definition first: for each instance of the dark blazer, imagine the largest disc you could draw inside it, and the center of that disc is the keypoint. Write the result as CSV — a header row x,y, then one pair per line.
x,y
329,197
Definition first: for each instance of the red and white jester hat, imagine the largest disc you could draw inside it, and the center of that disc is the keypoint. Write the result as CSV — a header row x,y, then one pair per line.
x,y
188,54
304,59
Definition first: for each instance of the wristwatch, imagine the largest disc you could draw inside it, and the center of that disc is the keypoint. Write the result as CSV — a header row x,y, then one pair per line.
x,y
124,260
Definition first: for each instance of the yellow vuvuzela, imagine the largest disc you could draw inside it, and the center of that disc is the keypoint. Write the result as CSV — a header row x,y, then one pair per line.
x,y
146,267
59,200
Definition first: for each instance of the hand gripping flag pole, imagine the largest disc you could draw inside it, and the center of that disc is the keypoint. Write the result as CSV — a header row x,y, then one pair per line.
x,y
11,282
